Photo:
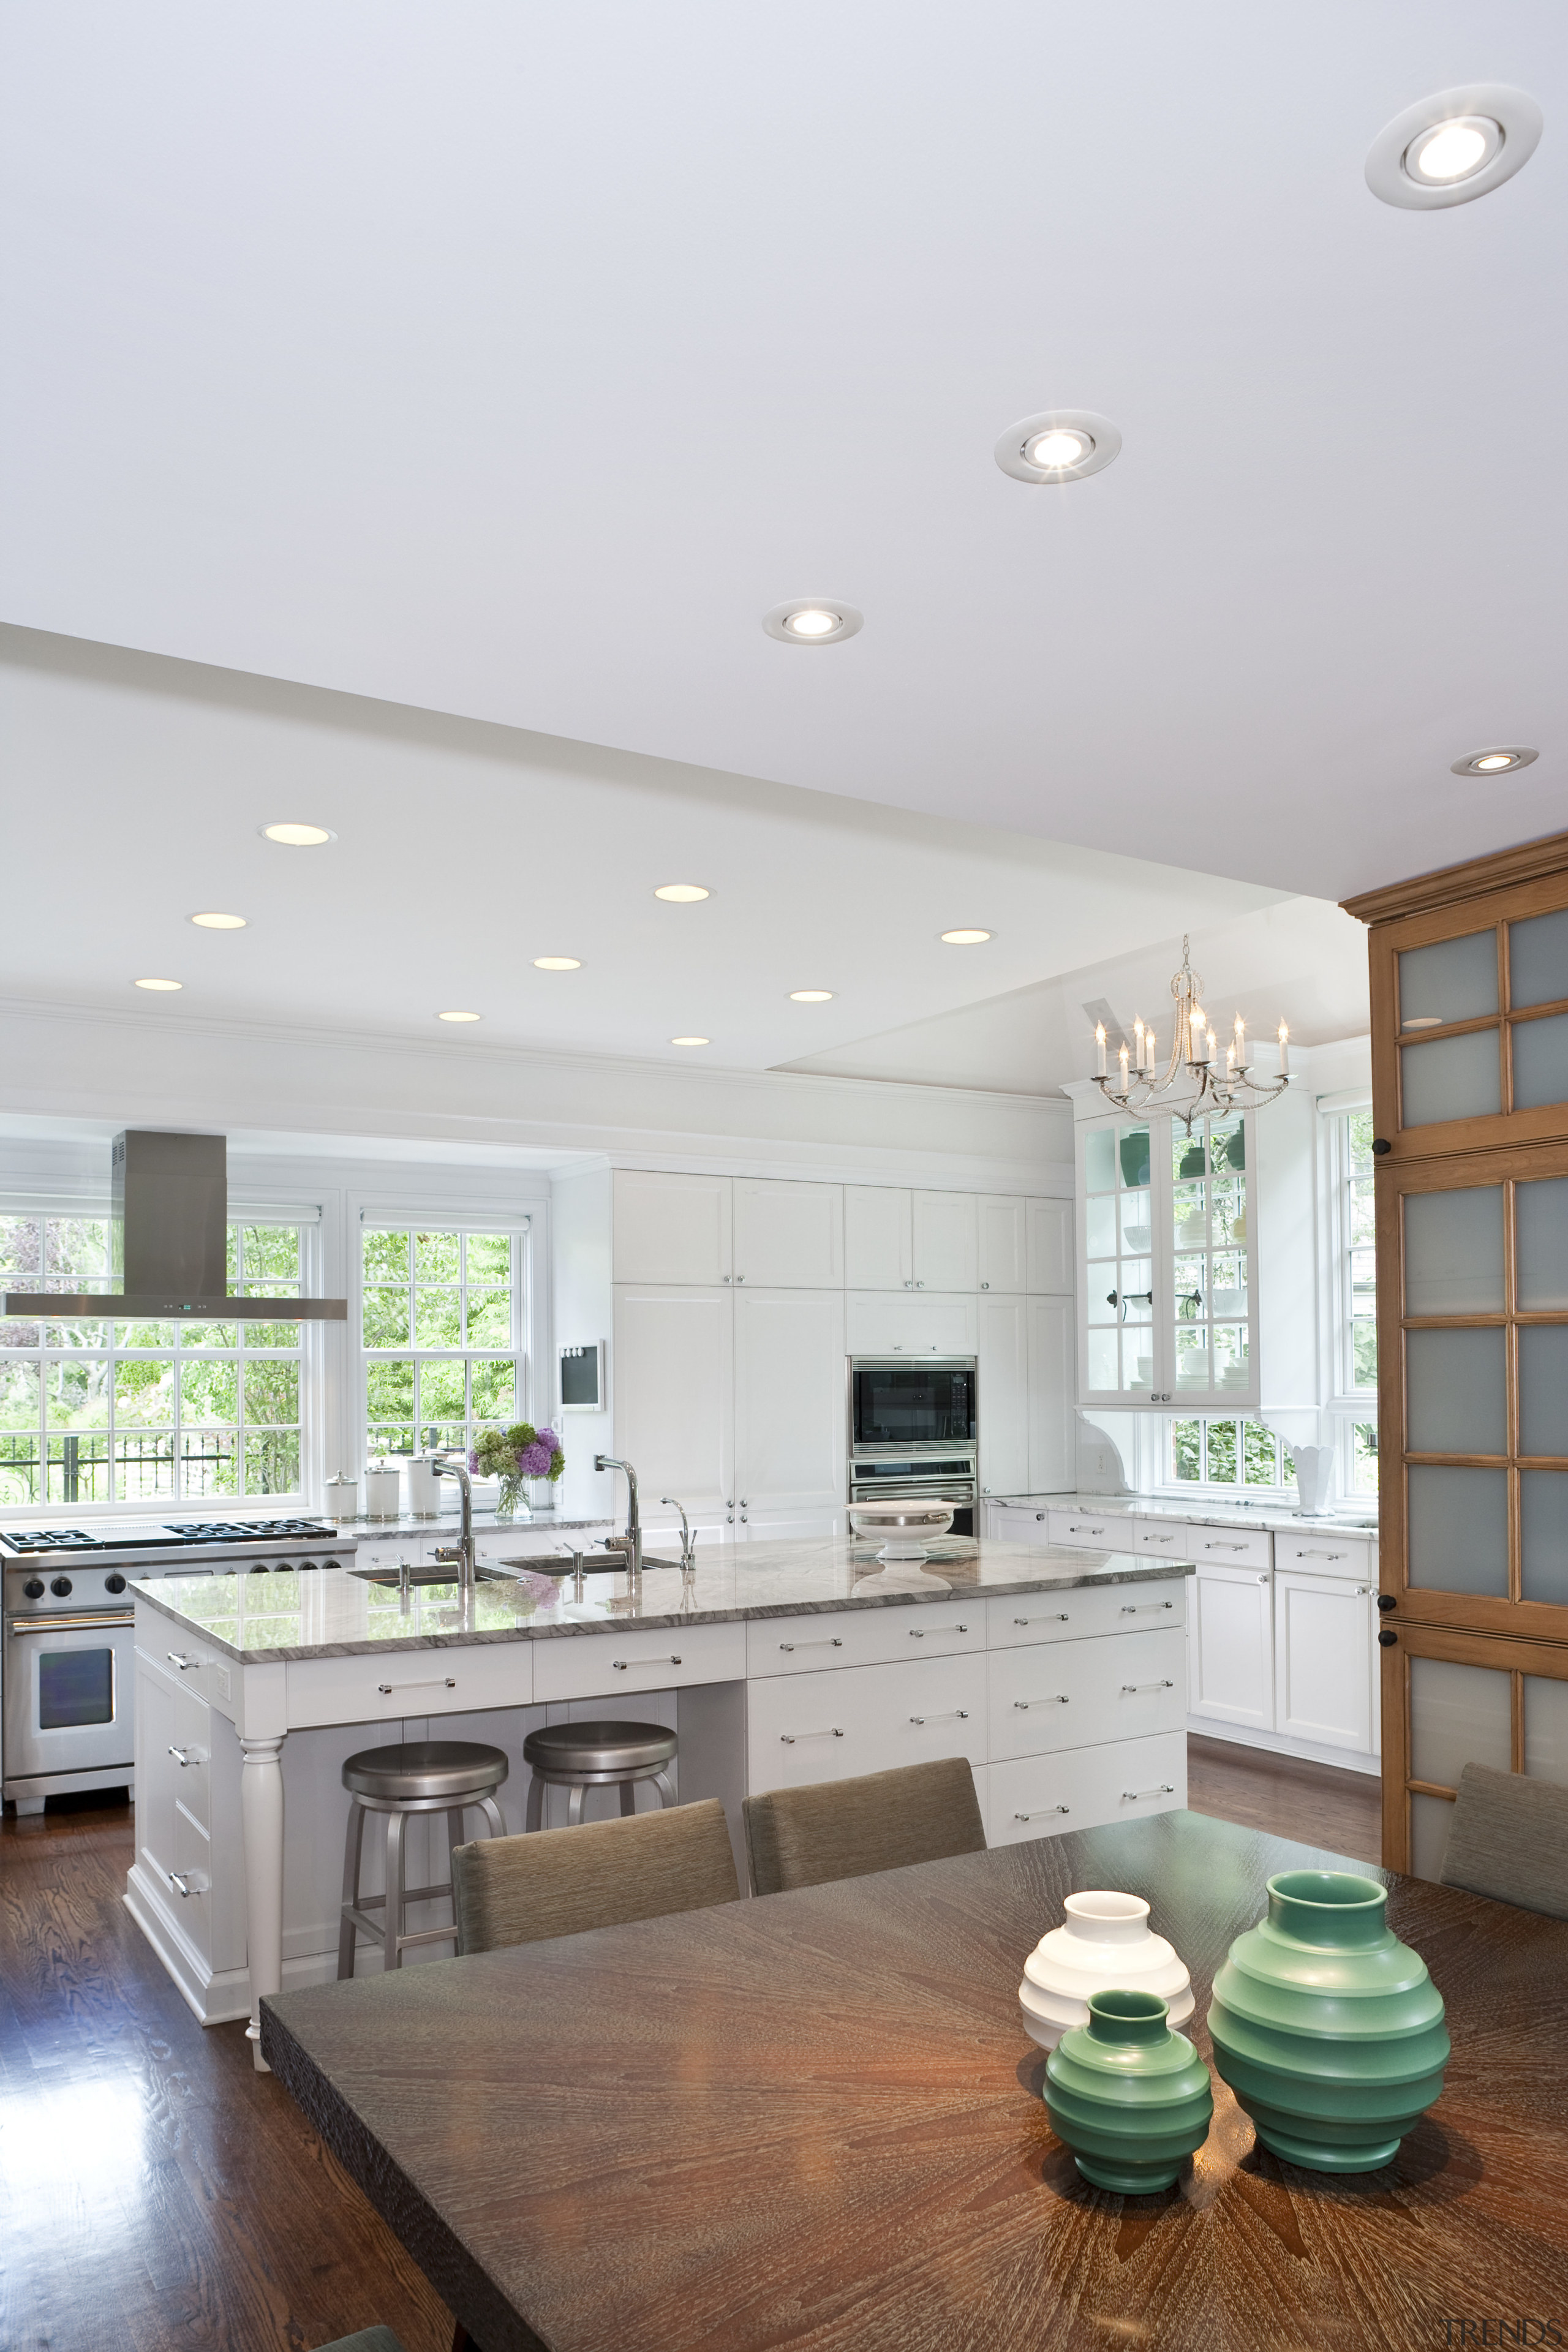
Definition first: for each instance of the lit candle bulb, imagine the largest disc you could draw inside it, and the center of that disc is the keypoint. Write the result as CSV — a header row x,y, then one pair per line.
x,y
1230,1061
1240,1042
1138,1033
1210,1044
1123,1060
1099,1046
1284,1051
1198,1048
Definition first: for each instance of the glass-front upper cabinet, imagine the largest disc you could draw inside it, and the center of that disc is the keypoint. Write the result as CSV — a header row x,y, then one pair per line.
x,y
1168,1267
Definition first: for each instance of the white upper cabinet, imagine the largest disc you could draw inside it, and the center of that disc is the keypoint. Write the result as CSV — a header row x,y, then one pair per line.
x,y
1049,1249
916,1323
672,1228
946,1240
878,1238
674,1421
789,1235
791,1402
1003,1260
1003,1396
1053,1419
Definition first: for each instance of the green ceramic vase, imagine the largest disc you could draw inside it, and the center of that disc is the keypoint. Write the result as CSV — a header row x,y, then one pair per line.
x,y
1326,2027
1130,2097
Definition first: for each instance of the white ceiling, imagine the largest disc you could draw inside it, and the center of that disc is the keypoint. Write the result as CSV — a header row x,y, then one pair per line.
x,y
512,361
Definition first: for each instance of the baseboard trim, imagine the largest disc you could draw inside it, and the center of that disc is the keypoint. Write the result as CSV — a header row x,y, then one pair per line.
x,y
1343,1759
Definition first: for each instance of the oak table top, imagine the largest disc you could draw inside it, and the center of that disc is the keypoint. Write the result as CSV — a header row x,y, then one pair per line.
x,y
813,2121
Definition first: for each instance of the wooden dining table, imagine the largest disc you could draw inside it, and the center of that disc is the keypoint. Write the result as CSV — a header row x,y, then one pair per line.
x,y
814,2120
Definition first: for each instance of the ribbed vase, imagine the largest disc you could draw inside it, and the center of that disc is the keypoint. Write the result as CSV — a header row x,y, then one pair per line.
x,y
1326,2027
1104,1939
1130,2097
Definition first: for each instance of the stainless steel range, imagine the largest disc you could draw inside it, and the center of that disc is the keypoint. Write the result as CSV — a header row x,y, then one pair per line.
x,y
65,1673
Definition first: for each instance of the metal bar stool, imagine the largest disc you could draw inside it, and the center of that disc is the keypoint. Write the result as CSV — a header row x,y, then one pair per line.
x,y
423,1776
583,1756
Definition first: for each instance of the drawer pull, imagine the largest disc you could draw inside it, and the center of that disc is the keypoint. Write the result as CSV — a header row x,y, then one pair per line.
x,y
1132,1796
1041,1814
624,1665
827,1642
183,1664
182,1757
1167,1684
918,1633
1057,1698
1084,1531
961,1712
1362,1591
1058,1617
1225,1546
1322,1555
1138,1607
1157,1539
431,1682
788,1739
188,1882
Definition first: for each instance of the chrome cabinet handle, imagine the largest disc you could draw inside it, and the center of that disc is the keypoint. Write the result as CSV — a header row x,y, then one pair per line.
x,y
1217,1546
1057,1698
1141,1608
824,1641
1132,1796
1099,1531
1157,1539
1166,1684
1041,1814
919,1286
1362,1591
961,1712
182,1757
1317,1553
788,1739
183,1664
1040,1515
188,1882
1263,1580
918,1633
985,1285
624,1665
431,1682
1060,1617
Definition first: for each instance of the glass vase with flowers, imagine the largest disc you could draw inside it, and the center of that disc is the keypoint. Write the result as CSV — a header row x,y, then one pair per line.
x,y
516,1457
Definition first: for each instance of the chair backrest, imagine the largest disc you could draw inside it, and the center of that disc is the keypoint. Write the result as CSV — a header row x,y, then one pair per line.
x,y
517,1890
1508,1839
846,1829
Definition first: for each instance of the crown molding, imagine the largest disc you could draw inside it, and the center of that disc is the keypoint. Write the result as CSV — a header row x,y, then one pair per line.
x,y
1527,861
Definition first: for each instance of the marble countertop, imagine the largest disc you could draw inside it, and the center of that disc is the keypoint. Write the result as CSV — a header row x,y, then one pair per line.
x,y
293,1614
431,1523
1267,1517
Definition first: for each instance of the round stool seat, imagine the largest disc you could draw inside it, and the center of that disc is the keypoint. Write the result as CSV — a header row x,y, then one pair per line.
x,y
426,1769
611,1749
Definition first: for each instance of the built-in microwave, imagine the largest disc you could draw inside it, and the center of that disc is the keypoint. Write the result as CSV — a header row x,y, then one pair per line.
x,y
913,1431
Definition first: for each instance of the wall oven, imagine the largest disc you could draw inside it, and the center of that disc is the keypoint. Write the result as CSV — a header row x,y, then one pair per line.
x,y
914,1431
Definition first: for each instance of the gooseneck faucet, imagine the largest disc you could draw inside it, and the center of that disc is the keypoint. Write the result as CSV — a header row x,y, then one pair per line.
x,y
631,1542
462,1551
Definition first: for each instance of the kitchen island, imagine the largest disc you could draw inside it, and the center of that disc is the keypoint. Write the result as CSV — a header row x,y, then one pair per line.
x,y
1058,1672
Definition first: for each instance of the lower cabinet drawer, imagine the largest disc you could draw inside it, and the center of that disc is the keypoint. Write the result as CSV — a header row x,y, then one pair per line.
x,y
190,1756
1064,1694
409,1683
1230,1548
617,1665
1068,1615
1084,1787
1161,1539
850,1719
863,1637
1325,1555
1089,1530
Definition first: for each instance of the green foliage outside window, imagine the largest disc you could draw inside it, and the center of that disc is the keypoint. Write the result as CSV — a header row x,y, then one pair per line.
x,y
442,1323
1228,1453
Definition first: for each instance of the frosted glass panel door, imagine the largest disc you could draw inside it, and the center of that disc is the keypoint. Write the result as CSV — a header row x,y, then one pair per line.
x,y
1459,1715
1453,1252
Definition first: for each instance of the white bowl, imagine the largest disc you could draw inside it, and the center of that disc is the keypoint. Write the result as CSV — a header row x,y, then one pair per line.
x,y
907,1524
1104,1942
1137,1238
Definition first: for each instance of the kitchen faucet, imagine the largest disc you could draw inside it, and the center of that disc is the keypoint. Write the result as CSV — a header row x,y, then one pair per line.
x,y
631,1542
462,1551
687,1541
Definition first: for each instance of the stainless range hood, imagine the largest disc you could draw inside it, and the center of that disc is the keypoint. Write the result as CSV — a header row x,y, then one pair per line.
x,y
169,1240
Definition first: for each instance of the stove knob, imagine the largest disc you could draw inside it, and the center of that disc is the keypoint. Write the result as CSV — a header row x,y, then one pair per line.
x,y
114,1582
34,1588
59,1586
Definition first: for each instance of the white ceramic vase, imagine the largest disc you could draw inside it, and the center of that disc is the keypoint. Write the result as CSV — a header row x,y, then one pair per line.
x,y
1105,1942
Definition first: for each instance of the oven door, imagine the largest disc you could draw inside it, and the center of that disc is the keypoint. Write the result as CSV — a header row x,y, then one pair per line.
x,y
901,1401
68,1693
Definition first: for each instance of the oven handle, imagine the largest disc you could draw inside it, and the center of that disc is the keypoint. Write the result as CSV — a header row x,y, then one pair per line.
x,y
81,1623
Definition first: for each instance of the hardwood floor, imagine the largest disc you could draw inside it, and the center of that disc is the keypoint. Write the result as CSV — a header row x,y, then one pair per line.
x,y
1314,1802
157,2194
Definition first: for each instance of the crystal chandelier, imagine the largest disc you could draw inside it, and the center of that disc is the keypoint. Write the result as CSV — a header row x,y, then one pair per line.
x,y
1194,1060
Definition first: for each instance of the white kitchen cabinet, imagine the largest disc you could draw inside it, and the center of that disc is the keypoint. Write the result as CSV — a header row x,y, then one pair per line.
x,y
1016,1523
1230,1649
1325,1659
1002,1395
788,1235
916,1323
946,1240
675,1414
1048,1257
1003,1225
845,1720
1085,1529
791,1434
878,1238
1053,1419
672,1228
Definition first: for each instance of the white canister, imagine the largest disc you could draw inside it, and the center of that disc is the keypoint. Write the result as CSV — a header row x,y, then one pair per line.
x,y
381,1481
342,1498
1105,1942
424,1485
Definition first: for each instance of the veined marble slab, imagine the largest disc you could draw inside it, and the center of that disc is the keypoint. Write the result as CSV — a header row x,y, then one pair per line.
x,y
1270,1518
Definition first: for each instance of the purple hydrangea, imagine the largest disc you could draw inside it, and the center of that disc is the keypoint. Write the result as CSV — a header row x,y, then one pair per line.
x,y
533,1461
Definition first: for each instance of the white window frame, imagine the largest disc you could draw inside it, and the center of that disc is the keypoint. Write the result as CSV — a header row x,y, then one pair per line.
x,y
1208,1490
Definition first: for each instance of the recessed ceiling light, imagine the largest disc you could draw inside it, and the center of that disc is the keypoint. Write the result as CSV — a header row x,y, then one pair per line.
x,y
460,1016
1060,445
297,836
680,894
219,922
964,938
1494,759
557,963
811,996
1453,147
159,984
813,621
691,1040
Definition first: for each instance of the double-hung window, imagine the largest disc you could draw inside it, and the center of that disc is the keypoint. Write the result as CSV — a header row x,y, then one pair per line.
x,y
443,1323
1356,1301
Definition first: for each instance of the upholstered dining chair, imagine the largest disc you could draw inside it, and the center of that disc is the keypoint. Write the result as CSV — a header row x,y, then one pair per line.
x,y
846,1829
1508,1839
519,1890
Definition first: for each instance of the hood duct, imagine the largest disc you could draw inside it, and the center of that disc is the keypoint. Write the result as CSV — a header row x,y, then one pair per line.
x,y
168,1243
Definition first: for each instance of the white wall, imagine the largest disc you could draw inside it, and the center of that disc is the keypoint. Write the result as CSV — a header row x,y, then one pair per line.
x,y
582,1214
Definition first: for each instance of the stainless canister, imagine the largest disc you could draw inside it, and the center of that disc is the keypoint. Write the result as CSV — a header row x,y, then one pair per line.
x,y
342,1498
381,1481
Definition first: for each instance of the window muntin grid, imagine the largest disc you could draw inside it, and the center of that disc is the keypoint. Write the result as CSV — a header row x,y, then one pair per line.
x,y
1357,1269
1483,1022
1119,1229
1208,1231
1218,1453
111,1412
442,1318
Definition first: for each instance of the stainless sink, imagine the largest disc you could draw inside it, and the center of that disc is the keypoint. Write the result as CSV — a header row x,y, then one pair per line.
x,y
445,1573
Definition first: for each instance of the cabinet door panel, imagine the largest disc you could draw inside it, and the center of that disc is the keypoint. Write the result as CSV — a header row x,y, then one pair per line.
x,y
889,1323
1230,1655
1003,1399
1325,1642
804,1728
672,1228
789,1235
1004,1256
1048,1246
1053,1418
1080,1789
879,1246
946,1240
674,1392
791,1409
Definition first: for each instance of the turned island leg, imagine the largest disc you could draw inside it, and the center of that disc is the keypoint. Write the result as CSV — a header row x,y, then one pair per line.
x,y
261,1817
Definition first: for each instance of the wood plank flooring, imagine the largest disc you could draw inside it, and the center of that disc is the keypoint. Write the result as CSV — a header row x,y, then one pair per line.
x,y
157,2195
